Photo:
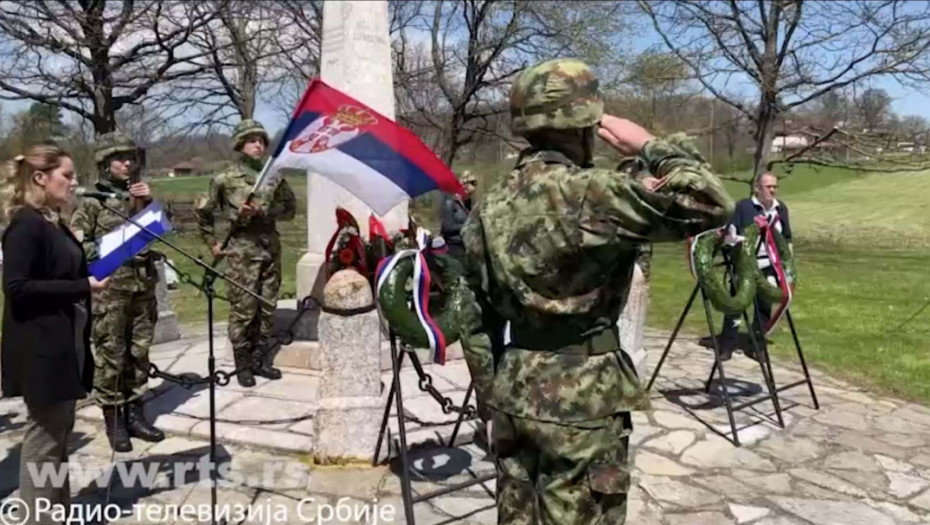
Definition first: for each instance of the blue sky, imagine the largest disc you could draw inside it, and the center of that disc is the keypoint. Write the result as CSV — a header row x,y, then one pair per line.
x,y
905,101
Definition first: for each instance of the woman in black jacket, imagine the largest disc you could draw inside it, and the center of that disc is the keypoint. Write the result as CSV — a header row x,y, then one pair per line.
x,y
45,348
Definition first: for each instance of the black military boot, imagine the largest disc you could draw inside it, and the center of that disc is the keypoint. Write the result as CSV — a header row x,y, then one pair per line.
x,y
244,365
262,367
116,429
137,426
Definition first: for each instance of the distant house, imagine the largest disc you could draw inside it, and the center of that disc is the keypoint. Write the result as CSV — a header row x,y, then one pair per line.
x,y
789,143
181,169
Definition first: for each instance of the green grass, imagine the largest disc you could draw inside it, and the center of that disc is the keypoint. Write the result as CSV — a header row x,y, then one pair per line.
x,y
801,179
849,302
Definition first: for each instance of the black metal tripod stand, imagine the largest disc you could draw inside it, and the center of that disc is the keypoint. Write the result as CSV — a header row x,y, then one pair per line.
x,y
210,276
396,397
761,353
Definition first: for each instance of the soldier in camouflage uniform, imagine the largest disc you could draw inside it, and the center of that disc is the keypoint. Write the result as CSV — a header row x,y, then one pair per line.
x,y
254,249
550,253
124,315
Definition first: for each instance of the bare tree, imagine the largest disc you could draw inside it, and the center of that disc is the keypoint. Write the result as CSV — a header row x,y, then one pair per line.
x,y
792,51
293,68
475,49
237,42
874,107
656,77
92,58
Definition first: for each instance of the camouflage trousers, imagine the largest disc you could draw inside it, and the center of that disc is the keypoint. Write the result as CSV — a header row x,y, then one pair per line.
x,y
560,474
259,270
123,330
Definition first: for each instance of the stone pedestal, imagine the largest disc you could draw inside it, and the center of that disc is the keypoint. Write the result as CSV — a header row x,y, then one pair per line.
x,y
632,322
347,421
166,328
355,59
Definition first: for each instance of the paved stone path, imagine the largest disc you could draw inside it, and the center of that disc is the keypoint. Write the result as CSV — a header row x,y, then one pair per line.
x,y
860,459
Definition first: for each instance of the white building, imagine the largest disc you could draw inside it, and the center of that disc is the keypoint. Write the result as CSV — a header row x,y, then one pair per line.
x,y
788,143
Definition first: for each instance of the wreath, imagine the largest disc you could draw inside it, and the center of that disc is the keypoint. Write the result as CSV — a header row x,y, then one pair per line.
x,y
396,299
748,278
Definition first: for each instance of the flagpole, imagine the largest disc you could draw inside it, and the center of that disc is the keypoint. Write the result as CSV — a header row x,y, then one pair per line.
x,y
268,163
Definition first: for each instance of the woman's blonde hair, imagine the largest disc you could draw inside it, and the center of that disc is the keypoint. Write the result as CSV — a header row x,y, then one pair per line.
x,y
18,188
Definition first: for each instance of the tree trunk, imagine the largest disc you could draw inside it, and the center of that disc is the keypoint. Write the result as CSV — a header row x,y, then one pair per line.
x,y
452,138
104,109
765,134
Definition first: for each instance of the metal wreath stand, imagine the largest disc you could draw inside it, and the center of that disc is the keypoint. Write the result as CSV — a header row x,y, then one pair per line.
x,y
760,349
216,377
395,397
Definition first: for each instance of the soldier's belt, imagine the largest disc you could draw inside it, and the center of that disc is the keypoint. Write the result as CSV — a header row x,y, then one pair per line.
x,y
564,341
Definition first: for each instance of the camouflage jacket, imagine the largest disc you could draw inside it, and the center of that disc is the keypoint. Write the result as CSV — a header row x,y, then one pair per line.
x,y
229,191
551,250
91,221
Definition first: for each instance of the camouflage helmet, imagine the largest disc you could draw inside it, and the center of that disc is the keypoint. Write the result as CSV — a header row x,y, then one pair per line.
x,y
244,129
556,94
111,143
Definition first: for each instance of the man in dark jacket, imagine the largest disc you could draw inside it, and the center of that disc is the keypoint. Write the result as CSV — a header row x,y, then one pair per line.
x,y
455,210
762,203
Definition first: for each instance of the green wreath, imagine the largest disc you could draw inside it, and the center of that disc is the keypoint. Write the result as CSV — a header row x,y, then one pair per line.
x,y
396,300
749,278
712,282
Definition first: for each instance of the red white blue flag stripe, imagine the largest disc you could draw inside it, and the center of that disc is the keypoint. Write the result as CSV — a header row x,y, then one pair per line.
x,y
421,284
368,154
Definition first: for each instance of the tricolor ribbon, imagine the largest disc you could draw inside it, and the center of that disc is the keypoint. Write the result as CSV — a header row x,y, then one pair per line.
x,y
421,284
787,289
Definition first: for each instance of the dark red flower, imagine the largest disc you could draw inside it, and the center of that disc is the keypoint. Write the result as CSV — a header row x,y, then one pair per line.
x,y
346,256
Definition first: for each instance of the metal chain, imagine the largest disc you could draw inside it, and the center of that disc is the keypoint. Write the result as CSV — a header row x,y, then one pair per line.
x,y
425,384
286,337
222,377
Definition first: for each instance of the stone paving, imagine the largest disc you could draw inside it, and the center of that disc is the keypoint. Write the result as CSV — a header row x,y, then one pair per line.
x,y
860,459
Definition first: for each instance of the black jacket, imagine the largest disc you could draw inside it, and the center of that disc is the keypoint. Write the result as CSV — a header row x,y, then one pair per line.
x,y
44,281
746,211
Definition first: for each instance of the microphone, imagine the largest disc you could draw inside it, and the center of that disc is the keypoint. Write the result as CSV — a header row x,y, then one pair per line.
x,y
84,192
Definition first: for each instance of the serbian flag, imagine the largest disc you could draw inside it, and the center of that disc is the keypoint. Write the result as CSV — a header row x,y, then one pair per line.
x,y
371,156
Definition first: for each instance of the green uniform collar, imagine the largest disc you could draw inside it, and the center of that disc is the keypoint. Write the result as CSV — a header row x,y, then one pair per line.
x,y
250,166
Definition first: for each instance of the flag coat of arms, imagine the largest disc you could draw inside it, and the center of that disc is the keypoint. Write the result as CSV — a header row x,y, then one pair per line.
x,y
368,154
125,242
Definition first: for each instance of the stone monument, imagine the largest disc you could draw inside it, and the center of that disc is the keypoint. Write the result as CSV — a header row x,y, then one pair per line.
x,y
632,322
347,420
355,58
166,327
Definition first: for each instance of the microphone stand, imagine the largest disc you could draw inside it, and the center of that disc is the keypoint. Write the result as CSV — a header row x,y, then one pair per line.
x,y
210,275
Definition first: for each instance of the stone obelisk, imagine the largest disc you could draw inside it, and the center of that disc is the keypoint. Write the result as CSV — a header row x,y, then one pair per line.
x,y
355,58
